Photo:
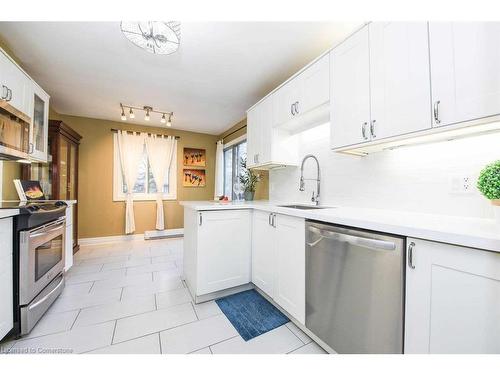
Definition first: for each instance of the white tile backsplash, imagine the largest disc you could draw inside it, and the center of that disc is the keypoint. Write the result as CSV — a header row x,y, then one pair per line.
x,y
415,178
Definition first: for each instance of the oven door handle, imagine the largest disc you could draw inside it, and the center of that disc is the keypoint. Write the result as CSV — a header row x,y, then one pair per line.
x,y
34,306
48,231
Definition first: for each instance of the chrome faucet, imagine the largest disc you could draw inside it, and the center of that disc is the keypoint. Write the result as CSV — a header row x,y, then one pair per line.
x,y
314,198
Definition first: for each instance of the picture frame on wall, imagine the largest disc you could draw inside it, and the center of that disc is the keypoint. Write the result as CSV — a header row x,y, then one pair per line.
x,y
194,157
194,178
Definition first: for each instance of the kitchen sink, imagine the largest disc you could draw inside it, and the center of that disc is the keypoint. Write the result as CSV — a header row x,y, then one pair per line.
x,y
303,207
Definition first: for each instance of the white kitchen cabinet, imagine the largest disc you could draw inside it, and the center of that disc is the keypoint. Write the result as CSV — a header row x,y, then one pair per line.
x,y
290,265
6,278
303,93
267,146
278,260
399,78
39,129
68,238
263,252
350,91
452,299
15,84
218,250
465,57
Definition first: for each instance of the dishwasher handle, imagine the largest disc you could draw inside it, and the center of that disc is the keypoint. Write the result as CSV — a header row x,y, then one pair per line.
x,y
353,240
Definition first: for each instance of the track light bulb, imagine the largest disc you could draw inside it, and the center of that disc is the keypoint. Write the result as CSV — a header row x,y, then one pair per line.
x,y
146,118
169,123
123,117
163,119
131,114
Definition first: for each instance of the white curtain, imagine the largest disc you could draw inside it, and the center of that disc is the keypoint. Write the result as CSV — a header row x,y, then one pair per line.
x,y
160,153
219,170
130,149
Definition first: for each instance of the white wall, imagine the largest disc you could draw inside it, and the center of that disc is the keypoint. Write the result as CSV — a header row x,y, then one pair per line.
x,y
416,178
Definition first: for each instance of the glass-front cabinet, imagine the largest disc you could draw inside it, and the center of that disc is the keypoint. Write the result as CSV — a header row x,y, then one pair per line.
x,y
39,131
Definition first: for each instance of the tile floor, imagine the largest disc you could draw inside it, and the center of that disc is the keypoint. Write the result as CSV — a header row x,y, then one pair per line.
x,y
128,297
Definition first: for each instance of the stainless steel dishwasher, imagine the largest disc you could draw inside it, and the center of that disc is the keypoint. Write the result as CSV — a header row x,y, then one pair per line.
x,y
355,289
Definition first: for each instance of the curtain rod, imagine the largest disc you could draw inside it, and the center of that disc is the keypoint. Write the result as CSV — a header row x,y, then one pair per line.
x,y
130,131
234,131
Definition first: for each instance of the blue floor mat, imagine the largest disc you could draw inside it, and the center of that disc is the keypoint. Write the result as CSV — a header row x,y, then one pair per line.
x,y
251,314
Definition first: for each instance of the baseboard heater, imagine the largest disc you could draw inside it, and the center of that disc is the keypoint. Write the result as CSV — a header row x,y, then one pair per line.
x,y
167,233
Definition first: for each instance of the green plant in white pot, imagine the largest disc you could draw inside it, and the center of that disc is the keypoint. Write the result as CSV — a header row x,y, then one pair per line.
x,y
248,180
488,184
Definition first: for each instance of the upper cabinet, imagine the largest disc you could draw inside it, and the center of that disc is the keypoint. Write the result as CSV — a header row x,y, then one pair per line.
x,y
39,124
399,78
465,60
350,91
24,99
380,83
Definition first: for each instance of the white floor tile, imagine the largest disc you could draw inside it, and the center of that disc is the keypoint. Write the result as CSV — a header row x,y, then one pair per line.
x,y
80,301
166,266
103,260
86,277
172,298
299,333
197,335
163,259
115,310
202,351
75,341
151,322
279,340
123,281
76,289
79,269
152,287
207,309
53,323
126,263
143,345
311,348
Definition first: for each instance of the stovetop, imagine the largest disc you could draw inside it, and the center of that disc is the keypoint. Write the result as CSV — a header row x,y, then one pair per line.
x,y
32,207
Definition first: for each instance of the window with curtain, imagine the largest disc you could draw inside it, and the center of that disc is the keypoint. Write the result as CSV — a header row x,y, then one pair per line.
x,y
232,169
145,187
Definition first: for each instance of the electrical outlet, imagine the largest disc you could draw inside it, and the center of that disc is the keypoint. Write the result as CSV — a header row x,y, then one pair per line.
x,y
461,184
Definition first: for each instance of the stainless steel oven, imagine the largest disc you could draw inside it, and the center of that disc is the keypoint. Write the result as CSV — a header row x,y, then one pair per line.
x,y
41,261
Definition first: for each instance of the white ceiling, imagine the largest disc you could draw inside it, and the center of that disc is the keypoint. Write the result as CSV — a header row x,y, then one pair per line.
x,y
219,71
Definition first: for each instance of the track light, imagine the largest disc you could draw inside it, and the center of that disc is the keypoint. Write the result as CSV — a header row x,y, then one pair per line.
x,y
169,123
148,110
131,114
163,119
123,117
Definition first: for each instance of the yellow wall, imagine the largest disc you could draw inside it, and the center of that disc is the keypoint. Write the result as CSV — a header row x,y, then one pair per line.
x,y
98,215
11,172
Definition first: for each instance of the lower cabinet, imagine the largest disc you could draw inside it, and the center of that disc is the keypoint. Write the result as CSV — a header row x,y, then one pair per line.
x,y
278,260
452,299
6,278
217,250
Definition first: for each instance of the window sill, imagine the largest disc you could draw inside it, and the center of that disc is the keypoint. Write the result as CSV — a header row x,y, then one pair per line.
x,y
143,199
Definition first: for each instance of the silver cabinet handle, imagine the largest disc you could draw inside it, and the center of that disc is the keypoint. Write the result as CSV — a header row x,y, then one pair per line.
x,y
436,112
200,219
363,130
31,148
292,106
9,98
297,107
411,264
354,240
274,220
372,129
269,219
5,90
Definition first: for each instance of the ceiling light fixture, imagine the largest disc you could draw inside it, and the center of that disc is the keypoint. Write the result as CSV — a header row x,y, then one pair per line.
x,y
158,37
148,111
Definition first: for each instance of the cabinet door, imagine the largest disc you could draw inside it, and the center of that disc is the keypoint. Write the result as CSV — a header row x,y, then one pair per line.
x,y
399,76
265,151
39,124
253,135
6,278
350,91
465,57
224,250
283,102
290,265
452,300
314,84
263,252
17,82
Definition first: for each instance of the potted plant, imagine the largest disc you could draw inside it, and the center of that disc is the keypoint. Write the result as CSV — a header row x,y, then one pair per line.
x,y
488,184
248,180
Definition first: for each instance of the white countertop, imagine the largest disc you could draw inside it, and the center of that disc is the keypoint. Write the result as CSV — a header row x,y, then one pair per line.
x,y
462,231
8,213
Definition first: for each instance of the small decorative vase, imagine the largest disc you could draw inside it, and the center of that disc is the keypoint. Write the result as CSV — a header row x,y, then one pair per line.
x,y
249,195
496,209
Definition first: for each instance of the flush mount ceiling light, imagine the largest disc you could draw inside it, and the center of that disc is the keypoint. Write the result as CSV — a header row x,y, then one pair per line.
x,y
162,38
147,116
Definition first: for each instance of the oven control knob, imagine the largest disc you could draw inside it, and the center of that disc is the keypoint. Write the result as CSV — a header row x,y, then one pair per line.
x,y
60,203
34,207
